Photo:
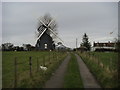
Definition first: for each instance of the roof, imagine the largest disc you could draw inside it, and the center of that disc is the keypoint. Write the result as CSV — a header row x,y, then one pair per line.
x,y
108,44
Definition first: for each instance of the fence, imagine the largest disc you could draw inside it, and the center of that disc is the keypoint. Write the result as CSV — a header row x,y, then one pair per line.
x,y
104,71
44,61
110,67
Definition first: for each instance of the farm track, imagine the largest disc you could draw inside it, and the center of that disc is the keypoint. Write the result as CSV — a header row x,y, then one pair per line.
x,y
56,81
88,79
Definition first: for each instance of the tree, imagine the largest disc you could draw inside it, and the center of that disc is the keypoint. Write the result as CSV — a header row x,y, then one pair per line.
x,y
7,47
85,42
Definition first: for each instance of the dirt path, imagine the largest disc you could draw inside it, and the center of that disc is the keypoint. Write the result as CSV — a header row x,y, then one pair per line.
x,y
88,79
56,81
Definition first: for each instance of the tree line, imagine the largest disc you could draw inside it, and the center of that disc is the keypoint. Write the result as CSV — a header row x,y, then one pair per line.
x,y
11,47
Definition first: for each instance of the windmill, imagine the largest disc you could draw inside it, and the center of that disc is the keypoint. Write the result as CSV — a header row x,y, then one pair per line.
x,y
47,32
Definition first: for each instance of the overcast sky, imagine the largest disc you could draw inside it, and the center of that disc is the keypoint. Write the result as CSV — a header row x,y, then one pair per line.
x,y
98,19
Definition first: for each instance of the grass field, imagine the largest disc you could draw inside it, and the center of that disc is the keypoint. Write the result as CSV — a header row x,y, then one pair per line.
x,y
107,58
104,66
50,59
72,78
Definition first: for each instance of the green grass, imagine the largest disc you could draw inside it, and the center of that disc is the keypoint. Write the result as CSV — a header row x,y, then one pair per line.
x,y
23,78
72,78
105,78
107,58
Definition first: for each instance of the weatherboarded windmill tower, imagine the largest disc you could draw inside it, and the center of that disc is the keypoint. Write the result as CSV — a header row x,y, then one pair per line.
x,y
46,33
45,42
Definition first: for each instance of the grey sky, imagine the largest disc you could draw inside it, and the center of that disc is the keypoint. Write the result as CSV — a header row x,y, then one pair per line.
x,y
74,19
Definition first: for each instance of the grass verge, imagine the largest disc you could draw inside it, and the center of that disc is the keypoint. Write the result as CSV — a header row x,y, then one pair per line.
x,y
105,78
23,78
72,77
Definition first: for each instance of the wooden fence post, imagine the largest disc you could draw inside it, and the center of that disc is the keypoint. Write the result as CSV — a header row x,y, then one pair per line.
x,y
43,61
57,56
53,54
15,70
30,63
111,64
37,65
49,58
88,54
98,60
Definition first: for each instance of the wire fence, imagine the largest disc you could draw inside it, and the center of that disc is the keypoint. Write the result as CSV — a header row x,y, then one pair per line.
x,y
104,67
110,66
31,65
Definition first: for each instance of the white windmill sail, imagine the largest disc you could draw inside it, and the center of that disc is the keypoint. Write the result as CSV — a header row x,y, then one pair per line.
x,y
41,34
42,29
55,34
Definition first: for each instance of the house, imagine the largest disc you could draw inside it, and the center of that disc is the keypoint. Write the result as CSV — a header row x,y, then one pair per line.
x,y
17,48
28,47
82,48
106,46
45,42
60,47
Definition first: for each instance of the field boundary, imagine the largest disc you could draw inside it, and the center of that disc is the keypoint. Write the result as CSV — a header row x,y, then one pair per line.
x,y
88,79
26,71
56,81
102,73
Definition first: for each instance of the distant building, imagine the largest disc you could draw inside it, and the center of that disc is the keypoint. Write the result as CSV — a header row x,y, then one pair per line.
x,y
60,46
17,48
82,48
108,46
28,47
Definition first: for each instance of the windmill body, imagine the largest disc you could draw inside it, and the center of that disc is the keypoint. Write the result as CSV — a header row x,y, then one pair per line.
x,y
46,32
45,42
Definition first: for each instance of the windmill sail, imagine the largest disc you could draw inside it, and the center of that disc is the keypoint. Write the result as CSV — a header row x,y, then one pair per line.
x,y
47,31
55,34
41,29
41,33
